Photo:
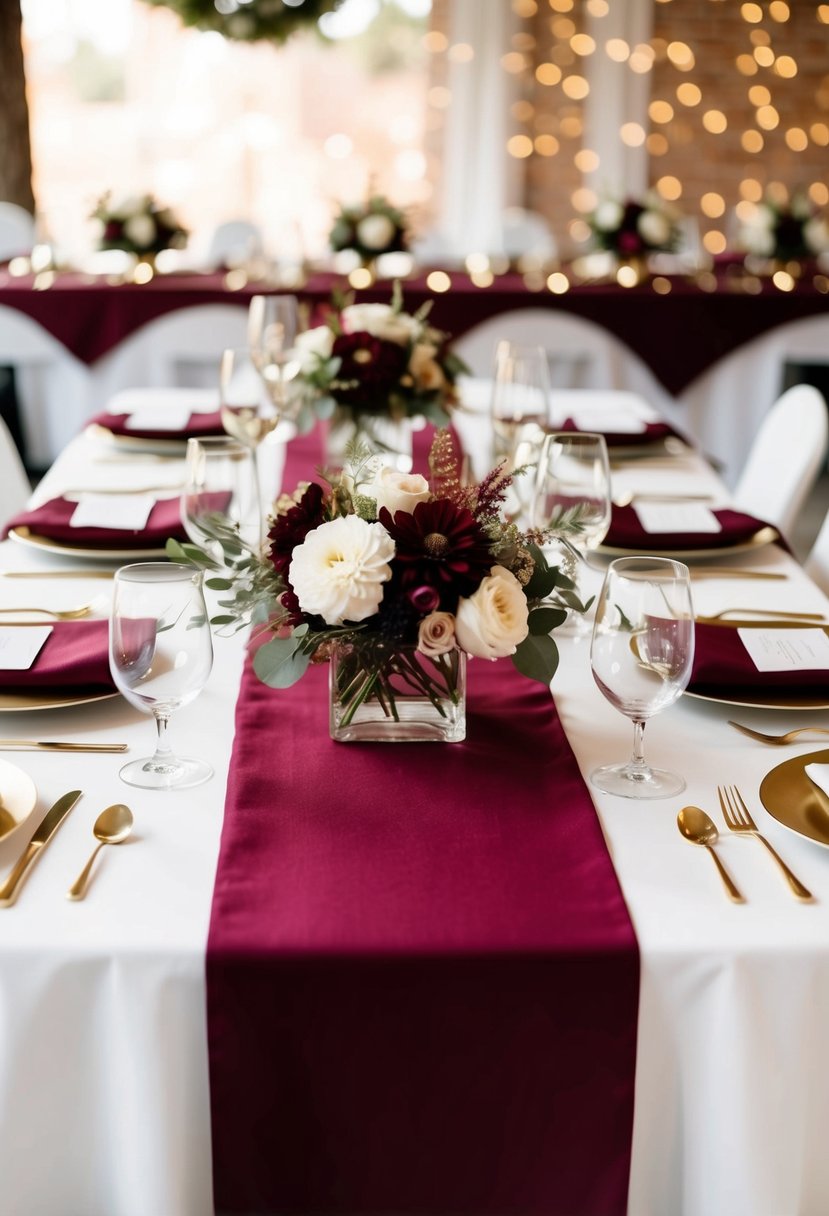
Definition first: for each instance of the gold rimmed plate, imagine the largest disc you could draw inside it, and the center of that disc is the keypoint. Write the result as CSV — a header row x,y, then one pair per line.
x,y
764,702
17,702
765,536
176,445
793,799
25,536
18,798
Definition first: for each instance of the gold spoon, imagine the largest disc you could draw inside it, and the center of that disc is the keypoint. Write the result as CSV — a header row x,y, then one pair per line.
x,y
66,614
113,825
699,828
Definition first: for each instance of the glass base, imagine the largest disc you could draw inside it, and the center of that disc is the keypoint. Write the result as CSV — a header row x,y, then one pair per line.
x,y
396,709
637,782
177,774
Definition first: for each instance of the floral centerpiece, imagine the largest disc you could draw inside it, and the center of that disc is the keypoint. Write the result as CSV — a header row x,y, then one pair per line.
x,y
138,225
785,231
371,364
394,579
370,229
634,229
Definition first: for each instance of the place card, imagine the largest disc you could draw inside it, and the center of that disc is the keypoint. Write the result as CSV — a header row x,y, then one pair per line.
x,y
787,649
170,418
608,422
20,647
676,517
122,512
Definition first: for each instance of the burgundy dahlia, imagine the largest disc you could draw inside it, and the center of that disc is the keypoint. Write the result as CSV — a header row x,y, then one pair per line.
x,y
290,529
370,369
438,545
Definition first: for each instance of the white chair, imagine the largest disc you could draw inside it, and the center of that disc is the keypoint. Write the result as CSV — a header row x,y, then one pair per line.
x,y
785,458
817,563
182,349
581,354
235,242
14,484
17,231
51,385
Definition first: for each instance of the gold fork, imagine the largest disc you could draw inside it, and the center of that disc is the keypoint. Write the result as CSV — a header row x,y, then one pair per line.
x,y
65,614
778,740
738,818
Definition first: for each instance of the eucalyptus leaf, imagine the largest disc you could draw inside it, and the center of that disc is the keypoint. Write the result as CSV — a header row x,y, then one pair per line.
x,y
218,584
544,620
537,658
280,663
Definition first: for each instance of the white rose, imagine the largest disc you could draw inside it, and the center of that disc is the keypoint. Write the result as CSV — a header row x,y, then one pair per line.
x,y
375,231
381,322
131,204
339,569
313,343
654,228
436,634
758,240
763,217
492,622
398,491
608,216
424,368
140,231
816,235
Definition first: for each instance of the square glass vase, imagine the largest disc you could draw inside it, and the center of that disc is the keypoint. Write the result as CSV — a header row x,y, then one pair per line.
x,y
381,693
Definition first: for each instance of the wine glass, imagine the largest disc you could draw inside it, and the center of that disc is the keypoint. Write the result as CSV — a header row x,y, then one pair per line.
x,y
220,482
160,655
272,330
519,410
573,481
641,656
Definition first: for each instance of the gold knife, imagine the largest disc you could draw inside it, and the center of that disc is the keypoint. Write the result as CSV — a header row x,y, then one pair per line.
x,y
768,622
53,746
54,818
733,572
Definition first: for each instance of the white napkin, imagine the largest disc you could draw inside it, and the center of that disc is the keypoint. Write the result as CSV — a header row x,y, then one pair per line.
x,y
819,774
129,512
191,400
154,419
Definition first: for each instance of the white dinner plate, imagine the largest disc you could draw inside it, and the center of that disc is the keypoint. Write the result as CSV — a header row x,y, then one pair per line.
x,y
766,536
25,536
18,798
136,443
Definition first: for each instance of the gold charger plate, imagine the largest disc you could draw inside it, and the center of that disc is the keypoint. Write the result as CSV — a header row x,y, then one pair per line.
x,y
18,798
794,800
25,536
135,443
765,536
783,702
15,702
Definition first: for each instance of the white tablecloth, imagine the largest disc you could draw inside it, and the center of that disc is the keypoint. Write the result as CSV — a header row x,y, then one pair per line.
x,y
103,1059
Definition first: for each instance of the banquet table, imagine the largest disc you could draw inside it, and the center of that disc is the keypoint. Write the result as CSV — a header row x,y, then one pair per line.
x,y
104,1060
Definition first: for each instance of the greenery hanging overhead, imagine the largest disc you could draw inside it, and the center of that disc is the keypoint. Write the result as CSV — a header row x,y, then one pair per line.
x,y
250,20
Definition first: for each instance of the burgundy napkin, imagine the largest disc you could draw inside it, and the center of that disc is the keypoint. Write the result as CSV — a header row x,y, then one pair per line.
x,y
723,668
198,426
654,432
626,532
74,656
52,520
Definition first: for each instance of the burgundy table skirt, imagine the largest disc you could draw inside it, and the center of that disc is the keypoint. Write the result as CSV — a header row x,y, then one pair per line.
x,y
678,336
422,981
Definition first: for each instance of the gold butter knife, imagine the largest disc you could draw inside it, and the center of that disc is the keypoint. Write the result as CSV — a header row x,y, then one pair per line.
x,y
54,746
54,818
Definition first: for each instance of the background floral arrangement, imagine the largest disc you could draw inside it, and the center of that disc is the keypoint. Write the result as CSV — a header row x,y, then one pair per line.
x,y
785,231
633,229
378,561
255,20
376,360
370,229
139,225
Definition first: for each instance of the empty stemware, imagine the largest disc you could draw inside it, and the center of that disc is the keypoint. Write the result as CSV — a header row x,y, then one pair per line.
x,y
220,483
160,655
641,655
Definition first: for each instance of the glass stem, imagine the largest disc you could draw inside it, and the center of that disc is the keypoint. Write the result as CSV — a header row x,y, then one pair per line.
x,y
637,768
163,753
257,491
